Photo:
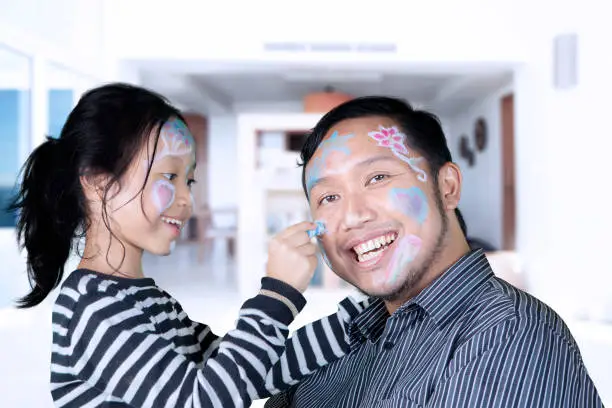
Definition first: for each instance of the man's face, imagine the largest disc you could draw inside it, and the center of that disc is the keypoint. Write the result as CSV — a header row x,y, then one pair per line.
x,y
383,215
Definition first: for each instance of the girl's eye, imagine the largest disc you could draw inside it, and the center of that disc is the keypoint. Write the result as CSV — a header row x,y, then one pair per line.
x,y
328,199
169,176
191,182
378,178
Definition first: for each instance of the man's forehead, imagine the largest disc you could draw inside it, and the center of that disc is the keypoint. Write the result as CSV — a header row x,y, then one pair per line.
x,y
360,125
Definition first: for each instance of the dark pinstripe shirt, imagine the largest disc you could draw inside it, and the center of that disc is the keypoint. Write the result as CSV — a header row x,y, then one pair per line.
x,y
468,340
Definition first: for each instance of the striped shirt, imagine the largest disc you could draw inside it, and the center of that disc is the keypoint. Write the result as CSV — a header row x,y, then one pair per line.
x,y
468,340
121,342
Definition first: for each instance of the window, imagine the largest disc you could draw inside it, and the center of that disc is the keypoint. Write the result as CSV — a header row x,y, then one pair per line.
x,y
14,124
60,97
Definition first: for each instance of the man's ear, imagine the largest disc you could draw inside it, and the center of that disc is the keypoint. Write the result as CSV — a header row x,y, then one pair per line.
x,y
449,184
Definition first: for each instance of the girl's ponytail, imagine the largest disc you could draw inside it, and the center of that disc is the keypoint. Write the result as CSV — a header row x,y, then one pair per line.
x,y
50,211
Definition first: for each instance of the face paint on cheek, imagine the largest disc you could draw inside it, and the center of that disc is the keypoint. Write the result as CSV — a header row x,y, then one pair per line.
x,y
410,201
163,195
407,249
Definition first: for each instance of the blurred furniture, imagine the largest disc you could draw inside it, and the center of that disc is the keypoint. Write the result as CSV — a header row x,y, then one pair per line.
x,y
477,243
208,231
323,102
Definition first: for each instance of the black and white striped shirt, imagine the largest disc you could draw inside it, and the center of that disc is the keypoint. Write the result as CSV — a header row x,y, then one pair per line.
x,y
121,342
468,340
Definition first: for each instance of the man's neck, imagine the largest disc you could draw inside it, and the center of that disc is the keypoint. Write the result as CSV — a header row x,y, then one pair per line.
x,y
453,251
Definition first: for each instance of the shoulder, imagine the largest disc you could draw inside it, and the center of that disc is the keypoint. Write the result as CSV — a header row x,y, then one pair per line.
x,y
87,296
530,313
503,314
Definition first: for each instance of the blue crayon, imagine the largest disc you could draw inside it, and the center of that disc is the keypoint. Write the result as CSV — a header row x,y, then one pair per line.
x,y
318,231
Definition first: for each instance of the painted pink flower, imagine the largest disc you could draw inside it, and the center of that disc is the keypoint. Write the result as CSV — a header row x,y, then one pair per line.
x,y
390,137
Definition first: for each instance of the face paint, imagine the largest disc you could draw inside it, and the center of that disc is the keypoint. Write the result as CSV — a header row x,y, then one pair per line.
x,y
172,246
175,139
163,195
334,144
395,140
410,201
407,249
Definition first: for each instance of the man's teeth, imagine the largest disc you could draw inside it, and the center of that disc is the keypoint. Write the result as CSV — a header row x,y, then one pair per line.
x,y
369,249
172,221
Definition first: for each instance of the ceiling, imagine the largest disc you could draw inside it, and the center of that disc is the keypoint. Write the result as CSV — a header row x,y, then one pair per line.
x,y
221,88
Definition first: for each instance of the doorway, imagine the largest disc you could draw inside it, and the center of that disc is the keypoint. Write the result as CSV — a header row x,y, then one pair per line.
x,y
508,174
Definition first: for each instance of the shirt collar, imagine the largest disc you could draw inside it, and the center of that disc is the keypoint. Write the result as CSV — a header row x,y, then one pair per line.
x,y
369,324
442,299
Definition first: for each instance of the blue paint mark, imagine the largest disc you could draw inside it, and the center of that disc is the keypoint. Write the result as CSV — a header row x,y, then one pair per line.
x,y
318,231
411,201
334,144
314,173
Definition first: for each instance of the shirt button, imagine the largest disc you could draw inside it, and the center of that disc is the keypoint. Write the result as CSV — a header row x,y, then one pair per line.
x,y
388,345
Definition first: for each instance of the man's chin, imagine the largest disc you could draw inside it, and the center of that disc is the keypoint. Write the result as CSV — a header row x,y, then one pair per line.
x,y
389,293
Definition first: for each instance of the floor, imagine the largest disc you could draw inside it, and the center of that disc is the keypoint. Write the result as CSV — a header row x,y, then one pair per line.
x,y
207,293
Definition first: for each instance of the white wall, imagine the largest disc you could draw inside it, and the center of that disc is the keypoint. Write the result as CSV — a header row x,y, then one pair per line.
x,y
478,29
223,161
563,176
481,198
69,32
563,149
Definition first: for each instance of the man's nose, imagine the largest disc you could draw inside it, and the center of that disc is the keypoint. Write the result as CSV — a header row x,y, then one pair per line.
x,y
357,212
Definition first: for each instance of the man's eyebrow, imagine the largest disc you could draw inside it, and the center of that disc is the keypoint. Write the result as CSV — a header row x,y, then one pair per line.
x,y
364,163
312,183
375,159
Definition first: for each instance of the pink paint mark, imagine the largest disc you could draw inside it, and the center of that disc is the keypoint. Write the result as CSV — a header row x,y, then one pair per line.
x,y
392,138
163,195
407,249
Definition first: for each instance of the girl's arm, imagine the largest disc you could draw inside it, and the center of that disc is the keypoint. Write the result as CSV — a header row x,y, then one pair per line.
x,y
313,347
307,350
115,348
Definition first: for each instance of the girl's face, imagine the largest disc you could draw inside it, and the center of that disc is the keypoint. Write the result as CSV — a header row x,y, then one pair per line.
x,y
153,220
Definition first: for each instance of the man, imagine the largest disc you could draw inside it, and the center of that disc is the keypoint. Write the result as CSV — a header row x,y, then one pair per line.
x,y
441,329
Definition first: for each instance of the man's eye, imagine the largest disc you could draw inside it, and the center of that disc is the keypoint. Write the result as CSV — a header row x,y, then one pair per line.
x,y
378,178
328,199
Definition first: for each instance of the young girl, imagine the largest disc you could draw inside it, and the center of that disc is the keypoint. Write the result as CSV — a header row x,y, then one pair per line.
x,y
120,176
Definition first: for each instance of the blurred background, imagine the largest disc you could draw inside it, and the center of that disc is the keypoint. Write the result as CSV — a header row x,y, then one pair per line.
x,y
521,89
